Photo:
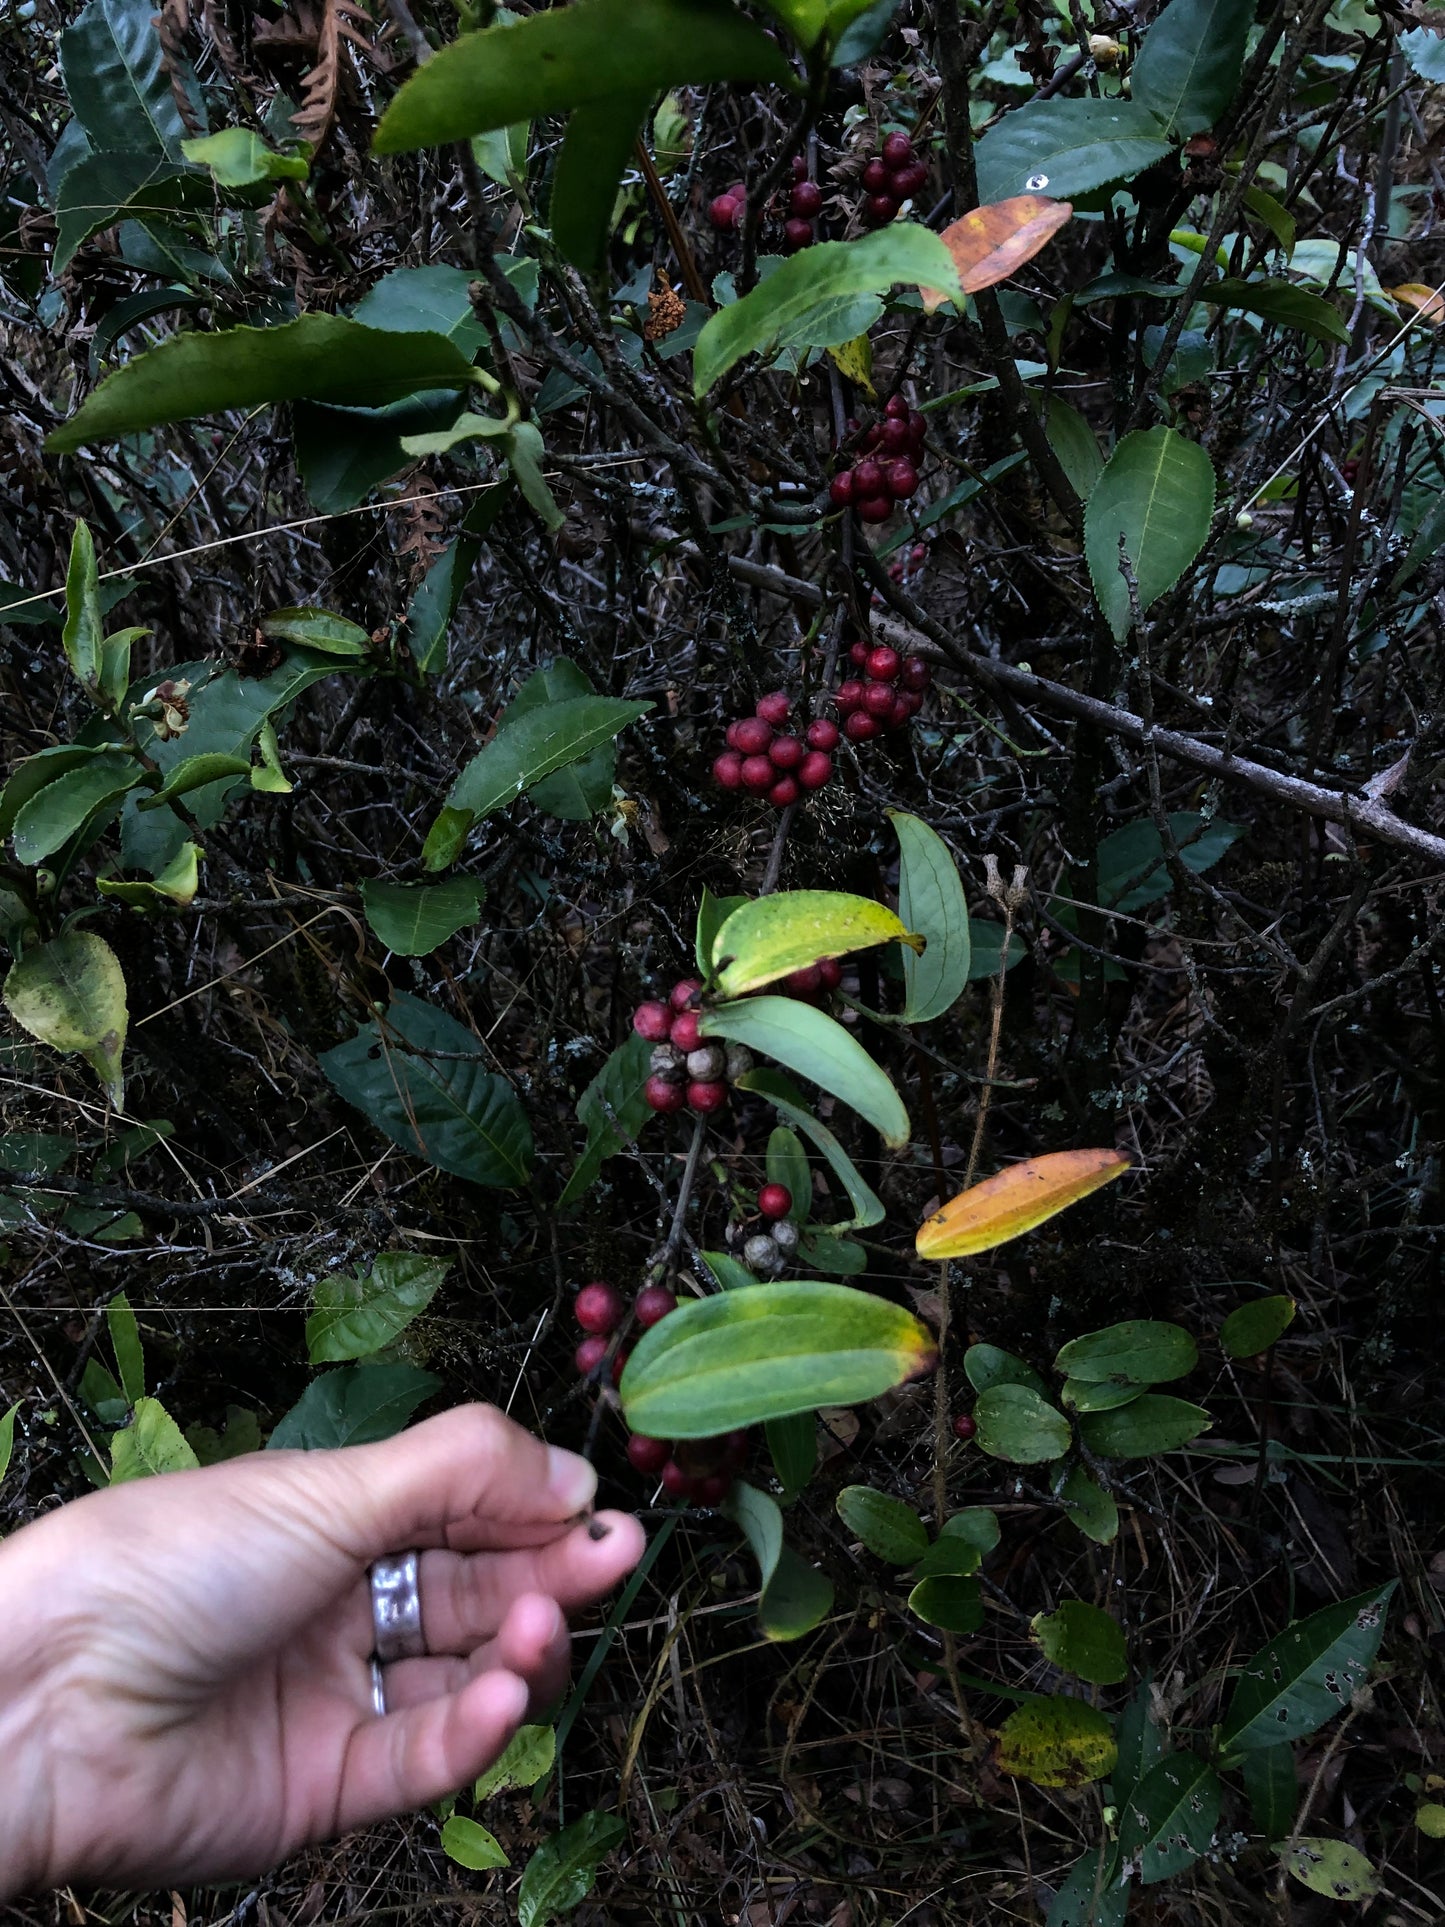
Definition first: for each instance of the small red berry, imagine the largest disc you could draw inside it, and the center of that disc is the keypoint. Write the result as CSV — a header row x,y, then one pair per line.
x,y
654,1302
752,735
840,489
895,437
599,1307
797,235
758,775
713,1489
918,553
877,701
858,653
775,1200
900,712
822,734
896,408
851,426
684,995
877,178
860,727
674,1480
848,695
916,673
815,769
883,663
805,982
870,440
589,1355
661,1094
898,151
731,735
619,1366
867,479
787,752
806,199
685,1034
832,973
738,190
879,209
647,1455
800,168
783,792
723,213
902,479
774,709
727,770
877,508
895,572
705,1098
909,701
652,1021
909,181
965,1426
736,1446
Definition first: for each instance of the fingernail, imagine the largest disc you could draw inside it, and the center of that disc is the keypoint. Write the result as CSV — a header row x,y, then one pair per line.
x,y
598,1529
571,1480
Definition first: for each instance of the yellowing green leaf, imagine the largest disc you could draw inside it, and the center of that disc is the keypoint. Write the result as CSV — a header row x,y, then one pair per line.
x,y
1015,1200
767,939
70,993
470,1845
1056,1742
1332,1868
151,1443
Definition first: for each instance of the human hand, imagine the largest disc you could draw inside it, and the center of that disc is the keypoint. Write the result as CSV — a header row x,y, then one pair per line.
x,y
185,1686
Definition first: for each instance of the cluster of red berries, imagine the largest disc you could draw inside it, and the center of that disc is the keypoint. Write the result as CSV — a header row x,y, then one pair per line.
x,y
814,983
726,211
686,1070
890,691
766,759
895,177
805,203
887,469
768,1252
600,1309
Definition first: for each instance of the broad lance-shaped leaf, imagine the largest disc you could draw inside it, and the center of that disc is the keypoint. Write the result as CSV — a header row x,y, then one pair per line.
x,y
70,993
827,273
358,1313
1282,303
1015,1200
107,188
117,78
318,357
1170,1817
813,1045
767,939
991,243
1064,148
597,147
1157,494
931,901
795,1597
1190,63
194,774
557,60
319,629
55,813
1307,1674
614,1108
764,1351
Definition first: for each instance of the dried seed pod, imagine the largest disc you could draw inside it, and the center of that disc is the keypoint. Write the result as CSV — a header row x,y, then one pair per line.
x,y
739,1062
761,1253
667,1061
706,1063
785,1235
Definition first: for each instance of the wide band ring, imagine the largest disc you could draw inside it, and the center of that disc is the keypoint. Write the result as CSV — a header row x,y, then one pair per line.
x,y
396,1608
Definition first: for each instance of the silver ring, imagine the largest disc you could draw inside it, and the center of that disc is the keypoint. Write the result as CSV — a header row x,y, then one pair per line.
x,y
396,1608
378,1690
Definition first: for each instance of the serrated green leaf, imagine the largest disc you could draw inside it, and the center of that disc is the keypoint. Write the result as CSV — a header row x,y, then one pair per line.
x,y
1064,148
617,1088
358,1313
353,1405
194,774
117,78
318,629
54,814
82,633
1190,63
152,1443
125,1342
1282,303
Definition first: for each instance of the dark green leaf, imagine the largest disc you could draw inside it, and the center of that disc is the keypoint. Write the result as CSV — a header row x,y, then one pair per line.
x,y
821,1250
931,901
1272,1787
561,1872
113,66
1141,1743
125,1342
110,187
1140,1351
358,1313
1170,1817
1157,492
1253,1328
1149,1424
1092,1895
890,1530
787,1101
1083,1640
1281,302
856,29
353,1405
812,1044
1307,1674
1132,871
795,1596
7,1436
195,773
601,136
1064,148
343,453
986,948
786,1163
1189,65
793,1445
434,298
962,1545
986,1365
1014,1423
413,919
949,1601
728,1271
524,454
82,634
1074,442
579,789
712,913
617,1088
55,813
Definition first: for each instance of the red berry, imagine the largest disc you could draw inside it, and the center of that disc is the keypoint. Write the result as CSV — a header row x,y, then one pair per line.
x,y
738,190
916,673
851,426
714,1488
822,734
900,712
652,1021
806,199
705,1098
919,552
752,735
877,178
674,1480
883,663
619,1366
910,181
758,775
647,1455
787,752
860,727
815,769
800,168
840,489
909,702
736,1446
589,1355
685,1035
775,1200
867,479
684,995
898,151
599,1307
848,695
918,429
877,701
902,479
661,1094
879,209
804,983
797,235
654,1302
723,213
731,736
877,508
727,770
896,408
870,440
783,792
895,437
857,653
831,972
965,1426
895,572
774,709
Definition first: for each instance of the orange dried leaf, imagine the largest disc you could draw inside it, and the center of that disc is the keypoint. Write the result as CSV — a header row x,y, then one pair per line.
x,y
992,242
1426,302
1014,1200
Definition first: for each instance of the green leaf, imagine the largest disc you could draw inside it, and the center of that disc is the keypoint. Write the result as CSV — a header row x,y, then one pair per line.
x,y
986,943
1089,1506
70,993
950,1601
795,1596
1190,63
1140,1351
931,901
1056,1742
1272,1788
114,70
771,937
1078,1395
318,629
618,1088
1071,146
125,1341
318,357
525,454
1091,1895
359,1312
1157,492
963,1543
781,309
557,60
7,1436
728,1271
238,157
1281,302
986,1365
1170,1817
1251,1329
1132,871
891,1531
1074,442
527,1756
470,1845
1150,1424
436,299
353,1405
111,187
1014,1423
1424,49
786,1163
1082,1640
780,1093
812,1044
82,634
1274,215
1307,1674
418,1076
598,146
1331,1867
32,773
712,913
793,1445
562,1871
579,789
150,1444
242,1435
194,774
413,919
856,29
821,1249
764,1351
54,814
